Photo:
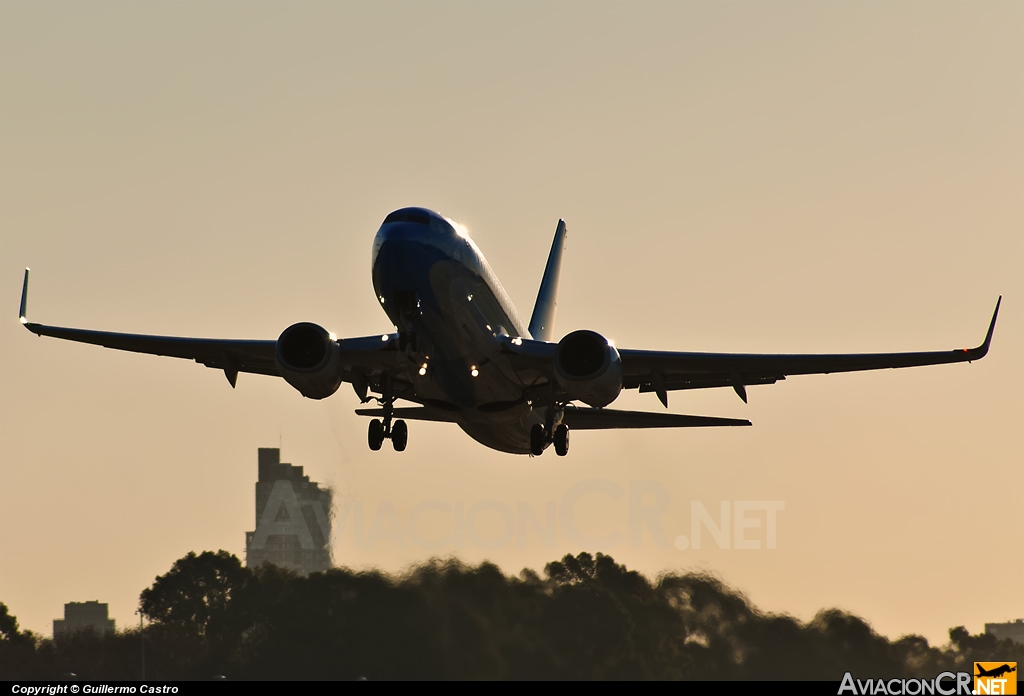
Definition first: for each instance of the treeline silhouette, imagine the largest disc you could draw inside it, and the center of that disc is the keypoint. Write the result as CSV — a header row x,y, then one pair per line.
x,y
586,618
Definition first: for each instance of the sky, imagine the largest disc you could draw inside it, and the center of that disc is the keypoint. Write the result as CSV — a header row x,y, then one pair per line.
x,y
742,176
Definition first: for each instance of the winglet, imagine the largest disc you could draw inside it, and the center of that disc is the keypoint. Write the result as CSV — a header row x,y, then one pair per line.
x,y
22,313
982,350
542,323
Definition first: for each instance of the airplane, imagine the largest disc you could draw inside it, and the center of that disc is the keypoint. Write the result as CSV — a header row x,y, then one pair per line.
x,y
995,671
462,354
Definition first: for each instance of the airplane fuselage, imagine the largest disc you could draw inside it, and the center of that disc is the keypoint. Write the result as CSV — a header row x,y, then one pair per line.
x,y
436,286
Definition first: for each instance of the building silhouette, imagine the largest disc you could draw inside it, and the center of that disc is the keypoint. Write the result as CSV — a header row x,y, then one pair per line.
x,y
1011,630
293,526
83,616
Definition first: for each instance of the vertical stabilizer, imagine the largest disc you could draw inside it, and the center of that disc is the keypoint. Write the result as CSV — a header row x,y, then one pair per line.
x,y
542,323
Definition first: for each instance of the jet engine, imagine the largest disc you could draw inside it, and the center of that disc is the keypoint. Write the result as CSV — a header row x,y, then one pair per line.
x,y
588,368
309,359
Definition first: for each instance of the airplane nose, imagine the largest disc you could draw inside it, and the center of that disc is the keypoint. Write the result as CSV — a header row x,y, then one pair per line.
x,y
402,262
388,239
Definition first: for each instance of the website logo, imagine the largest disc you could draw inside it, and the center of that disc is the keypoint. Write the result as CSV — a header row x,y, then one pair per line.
x,y
995,678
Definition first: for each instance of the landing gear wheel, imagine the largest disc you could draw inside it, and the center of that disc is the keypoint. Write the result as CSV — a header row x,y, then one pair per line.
x,y
399,435
375,434
537,440
562,440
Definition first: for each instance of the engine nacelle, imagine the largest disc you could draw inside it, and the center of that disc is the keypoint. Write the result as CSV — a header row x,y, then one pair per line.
x,y
588,368
309,360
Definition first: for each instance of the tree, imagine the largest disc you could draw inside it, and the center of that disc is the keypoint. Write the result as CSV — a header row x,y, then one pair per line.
x,y
8,625
195,594
17,648
196,618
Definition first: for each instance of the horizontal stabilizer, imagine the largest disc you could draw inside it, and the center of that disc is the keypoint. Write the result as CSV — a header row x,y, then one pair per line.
x,y
608,419
409,413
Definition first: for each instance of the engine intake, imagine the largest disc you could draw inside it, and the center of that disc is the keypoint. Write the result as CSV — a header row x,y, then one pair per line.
x,y
309,360
588,368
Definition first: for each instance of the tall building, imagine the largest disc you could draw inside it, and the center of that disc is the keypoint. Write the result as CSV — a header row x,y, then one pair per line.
x,y
1012,630
80,616
293,518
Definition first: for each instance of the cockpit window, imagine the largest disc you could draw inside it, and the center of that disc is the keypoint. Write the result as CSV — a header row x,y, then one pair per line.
x,y
416,216
441,225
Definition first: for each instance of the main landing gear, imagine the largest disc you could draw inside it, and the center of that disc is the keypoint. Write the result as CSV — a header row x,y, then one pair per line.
x,y
378,431
539,437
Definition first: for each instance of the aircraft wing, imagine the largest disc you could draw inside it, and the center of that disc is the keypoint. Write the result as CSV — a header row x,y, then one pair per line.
x,y
665,371
231,356
247,356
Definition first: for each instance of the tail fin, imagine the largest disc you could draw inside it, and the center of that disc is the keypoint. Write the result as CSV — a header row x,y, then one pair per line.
x,y
542,323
